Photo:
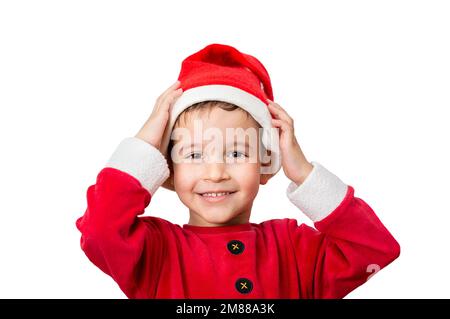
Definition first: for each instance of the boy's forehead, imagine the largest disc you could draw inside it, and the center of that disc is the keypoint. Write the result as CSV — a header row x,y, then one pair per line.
x,y
217,126
224,135
220,119
246,144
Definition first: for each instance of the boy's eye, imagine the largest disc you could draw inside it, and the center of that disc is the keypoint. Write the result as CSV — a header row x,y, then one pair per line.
x,y
232,154
194,156
237,154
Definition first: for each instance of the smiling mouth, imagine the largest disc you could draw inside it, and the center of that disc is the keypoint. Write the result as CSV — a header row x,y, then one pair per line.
x,y
216,197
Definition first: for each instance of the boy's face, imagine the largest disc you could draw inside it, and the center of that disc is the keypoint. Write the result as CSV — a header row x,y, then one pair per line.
x,y
219,161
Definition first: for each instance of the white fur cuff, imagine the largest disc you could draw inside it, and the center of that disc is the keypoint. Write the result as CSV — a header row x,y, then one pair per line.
x,y
142,161
319,195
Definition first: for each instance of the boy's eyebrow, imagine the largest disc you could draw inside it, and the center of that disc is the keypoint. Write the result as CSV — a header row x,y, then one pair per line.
x,y
239,143
189,146
229,144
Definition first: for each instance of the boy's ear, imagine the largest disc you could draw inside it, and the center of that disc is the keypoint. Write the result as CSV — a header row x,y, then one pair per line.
x,y
171,179
264,178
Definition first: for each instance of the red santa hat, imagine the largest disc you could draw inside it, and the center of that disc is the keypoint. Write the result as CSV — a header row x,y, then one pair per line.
x,y
220,72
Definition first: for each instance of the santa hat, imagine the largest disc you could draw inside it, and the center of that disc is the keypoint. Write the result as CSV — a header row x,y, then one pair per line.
x,y
220,72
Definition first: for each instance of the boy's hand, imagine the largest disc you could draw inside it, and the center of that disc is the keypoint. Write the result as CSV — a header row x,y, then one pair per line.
x,y
153,130
293,161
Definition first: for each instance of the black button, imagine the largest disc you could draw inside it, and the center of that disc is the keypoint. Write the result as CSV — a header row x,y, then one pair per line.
x,y
243,285
235,247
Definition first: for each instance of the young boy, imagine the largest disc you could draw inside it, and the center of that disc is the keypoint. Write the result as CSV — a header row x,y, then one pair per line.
x,y
226,96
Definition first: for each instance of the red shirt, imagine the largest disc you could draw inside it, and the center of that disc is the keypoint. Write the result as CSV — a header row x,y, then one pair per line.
x,y
152,258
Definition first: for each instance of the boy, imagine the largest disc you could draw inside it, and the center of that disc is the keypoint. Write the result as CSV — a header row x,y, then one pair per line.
x,y
219,253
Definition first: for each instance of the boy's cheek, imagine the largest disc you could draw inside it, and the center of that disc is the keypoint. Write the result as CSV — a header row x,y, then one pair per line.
x,y
247,175
185,175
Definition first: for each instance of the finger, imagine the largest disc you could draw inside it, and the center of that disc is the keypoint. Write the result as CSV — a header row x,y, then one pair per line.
x,y
285,127
171,88
275,104
280,114
285,115
279,124
163,104
170,99
273,109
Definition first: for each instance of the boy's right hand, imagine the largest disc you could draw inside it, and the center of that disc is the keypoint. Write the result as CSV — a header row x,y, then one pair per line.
x,y
153,129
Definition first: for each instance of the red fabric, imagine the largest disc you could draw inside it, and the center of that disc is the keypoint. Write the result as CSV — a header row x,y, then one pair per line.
x,y
152,258
224,64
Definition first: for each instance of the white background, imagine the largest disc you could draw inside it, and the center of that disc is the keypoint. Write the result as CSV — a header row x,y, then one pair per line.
x,y
367,83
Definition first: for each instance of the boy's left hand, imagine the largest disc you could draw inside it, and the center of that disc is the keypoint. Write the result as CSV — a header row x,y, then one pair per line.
x,y
293,161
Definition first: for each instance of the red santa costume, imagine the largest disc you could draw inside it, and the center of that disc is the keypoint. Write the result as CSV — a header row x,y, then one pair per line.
x,y
150,257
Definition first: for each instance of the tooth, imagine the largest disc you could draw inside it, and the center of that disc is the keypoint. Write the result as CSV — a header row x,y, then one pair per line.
x,y
215,194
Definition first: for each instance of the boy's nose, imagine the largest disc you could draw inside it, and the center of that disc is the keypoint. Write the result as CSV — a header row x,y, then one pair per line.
x,y
215,171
